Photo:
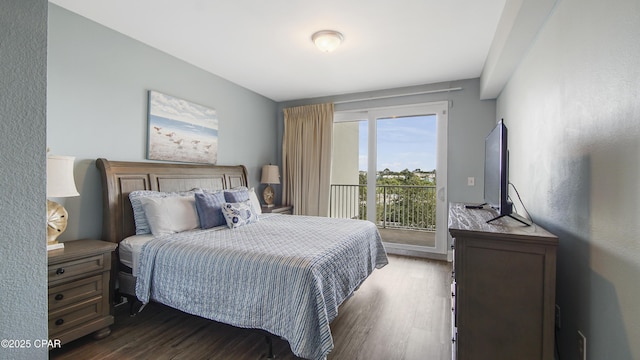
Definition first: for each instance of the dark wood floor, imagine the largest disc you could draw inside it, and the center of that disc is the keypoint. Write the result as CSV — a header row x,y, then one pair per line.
x,y
401,312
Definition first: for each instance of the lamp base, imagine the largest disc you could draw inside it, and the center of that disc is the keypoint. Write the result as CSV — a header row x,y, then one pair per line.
x,y
56,224
267,195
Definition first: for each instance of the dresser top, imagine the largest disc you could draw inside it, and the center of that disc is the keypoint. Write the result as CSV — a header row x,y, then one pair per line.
x,y
463,221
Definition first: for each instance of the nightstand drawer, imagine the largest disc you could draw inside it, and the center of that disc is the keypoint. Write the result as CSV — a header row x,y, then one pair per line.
x,y
68,269
80,290
74,291
73,315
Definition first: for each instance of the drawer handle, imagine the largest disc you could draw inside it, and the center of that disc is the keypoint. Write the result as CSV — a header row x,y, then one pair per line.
x,y
59,271
59,297
59,322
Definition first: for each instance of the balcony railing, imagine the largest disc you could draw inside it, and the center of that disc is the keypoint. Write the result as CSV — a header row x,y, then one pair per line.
x,y
397,206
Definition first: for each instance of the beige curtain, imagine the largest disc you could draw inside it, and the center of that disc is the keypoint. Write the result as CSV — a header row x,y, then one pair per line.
x,y
306,158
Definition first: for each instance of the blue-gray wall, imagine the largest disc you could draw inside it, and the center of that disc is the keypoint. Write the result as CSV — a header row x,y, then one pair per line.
x,y
470,120
97,107
23,254
573,109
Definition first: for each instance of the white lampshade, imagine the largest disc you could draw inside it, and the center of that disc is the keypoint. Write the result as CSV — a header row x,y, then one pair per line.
x,y
327,40
270,174
60,181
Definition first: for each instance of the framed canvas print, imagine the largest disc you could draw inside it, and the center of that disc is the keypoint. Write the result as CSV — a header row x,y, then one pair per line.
x,y
180,130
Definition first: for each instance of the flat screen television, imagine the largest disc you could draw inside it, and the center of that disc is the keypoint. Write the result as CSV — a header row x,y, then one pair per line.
x,y
496,172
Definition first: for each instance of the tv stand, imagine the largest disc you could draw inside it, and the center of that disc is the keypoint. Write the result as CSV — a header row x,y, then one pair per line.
x,y
503,288
511,216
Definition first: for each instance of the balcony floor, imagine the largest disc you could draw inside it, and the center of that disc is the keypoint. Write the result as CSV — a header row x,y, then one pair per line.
x,y
409,237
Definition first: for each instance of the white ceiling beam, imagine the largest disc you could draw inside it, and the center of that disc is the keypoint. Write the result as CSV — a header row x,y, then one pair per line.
x,y
519,25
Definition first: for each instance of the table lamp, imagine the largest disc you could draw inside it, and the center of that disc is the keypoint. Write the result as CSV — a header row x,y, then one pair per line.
x,y
60,183
270,175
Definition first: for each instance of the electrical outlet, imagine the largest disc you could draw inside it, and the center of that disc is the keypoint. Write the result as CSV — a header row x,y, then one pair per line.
x,y
582,346
471,181
558,317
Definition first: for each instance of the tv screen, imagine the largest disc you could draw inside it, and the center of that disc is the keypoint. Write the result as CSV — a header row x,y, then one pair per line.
x,y
496,177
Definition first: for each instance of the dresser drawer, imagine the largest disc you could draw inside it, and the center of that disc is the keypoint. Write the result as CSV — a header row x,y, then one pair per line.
x,y
76,314
69,293
72,268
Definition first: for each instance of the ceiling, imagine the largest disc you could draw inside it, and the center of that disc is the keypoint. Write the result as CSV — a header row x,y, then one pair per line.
x,y
266,46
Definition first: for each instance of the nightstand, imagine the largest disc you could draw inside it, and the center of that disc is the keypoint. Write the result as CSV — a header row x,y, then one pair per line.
x,y
79,290
278,209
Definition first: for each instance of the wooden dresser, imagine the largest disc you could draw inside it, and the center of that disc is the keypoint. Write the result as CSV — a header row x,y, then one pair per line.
x,y
79,283
503,291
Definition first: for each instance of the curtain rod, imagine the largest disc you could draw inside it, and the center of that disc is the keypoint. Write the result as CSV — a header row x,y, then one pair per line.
x,y
399,95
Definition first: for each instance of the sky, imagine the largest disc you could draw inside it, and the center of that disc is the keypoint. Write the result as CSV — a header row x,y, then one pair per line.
x,y
403,143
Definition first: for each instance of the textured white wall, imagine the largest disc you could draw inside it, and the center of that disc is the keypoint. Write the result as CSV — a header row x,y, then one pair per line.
x,y
23,255
573,110
97,107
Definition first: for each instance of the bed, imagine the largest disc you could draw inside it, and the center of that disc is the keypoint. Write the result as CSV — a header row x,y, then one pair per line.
x,y
286,275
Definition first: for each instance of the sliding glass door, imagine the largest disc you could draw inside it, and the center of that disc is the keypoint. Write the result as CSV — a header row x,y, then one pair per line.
x,y
390,168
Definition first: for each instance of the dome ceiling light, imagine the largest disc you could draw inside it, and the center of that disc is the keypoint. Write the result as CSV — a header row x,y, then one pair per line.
x,y
327,40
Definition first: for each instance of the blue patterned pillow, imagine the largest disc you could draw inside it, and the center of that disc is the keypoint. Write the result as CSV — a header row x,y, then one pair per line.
x,y
239,214
236,195
209,206
140,219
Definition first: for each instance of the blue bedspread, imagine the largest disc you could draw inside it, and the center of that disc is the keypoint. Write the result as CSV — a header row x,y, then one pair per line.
x,y
283,274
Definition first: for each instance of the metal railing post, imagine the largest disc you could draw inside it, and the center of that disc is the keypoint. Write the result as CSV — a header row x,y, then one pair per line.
x,y
384,207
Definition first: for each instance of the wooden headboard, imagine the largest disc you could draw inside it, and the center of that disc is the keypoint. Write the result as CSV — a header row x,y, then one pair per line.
x,y
119,178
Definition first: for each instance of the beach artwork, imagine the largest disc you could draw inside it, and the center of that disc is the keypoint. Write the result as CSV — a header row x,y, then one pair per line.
x,y
180,130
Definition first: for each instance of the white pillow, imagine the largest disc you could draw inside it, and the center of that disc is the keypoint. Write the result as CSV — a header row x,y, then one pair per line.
x,y
170,215
255,202
142,226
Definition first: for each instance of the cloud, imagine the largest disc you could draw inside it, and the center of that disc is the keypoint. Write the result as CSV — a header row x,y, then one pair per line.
x,y
402,143
178,109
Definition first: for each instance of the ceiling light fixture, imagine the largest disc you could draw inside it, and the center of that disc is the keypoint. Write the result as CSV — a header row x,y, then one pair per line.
x,y
327,40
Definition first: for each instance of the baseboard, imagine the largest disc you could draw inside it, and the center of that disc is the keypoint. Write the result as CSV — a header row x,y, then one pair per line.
x,y
391,248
